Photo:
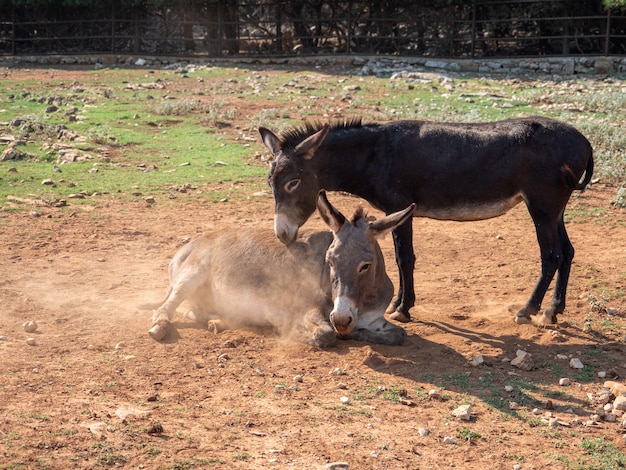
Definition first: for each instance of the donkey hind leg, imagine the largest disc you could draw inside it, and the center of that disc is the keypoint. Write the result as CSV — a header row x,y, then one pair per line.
x,y
550,247
560,290
405,259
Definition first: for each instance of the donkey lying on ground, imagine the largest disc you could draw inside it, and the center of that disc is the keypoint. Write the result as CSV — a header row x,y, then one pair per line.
x,y
451,171
320,287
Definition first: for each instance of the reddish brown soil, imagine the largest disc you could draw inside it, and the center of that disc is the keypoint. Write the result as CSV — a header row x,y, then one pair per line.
x,y
230,399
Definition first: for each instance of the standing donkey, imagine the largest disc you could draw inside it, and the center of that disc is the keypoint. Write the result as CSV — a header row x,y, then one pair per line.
x,y
322,286
451,171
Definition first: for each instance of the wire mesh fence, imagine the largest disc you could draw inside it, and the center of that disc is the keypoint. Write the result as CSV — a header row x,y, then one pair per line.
x,y
217,28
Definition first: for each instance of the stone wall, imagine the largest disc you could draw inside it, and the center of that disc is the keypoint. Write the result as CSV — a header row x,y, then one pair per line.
x,y
365,65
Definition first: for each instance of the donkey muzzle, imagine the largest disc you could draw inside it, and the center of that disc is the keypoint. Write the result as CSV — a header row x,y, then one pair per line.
x,y
285,230
343,316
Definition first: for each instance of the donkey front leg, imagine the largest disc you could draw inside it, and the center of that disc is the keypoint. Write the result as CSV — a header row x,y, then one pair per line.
x,y
316,330
379,331
405,258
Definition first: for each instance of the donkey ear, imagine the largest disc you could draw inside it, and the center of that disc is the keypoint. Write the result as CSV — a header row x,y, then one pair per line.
x,y
333,218
306,149
380,228
270,140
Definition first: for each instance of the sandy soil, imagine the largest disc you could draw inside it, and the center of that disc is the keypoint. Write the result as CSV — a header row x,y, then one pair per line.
x,y
96,390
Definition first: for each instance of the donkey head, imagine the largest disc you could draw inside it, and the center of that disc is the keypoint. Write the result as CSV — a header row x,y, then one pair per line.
x,y
361,289
293,181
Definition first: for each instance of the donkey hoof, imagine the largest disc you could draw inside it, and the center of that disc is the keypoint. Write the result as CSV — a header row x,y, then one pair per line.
x,y
400,317
157,332
546,319
522,320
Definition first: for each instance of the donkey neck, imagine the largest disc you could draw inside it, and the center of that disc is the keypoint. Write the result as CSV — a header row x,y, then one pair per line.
x,y
344,161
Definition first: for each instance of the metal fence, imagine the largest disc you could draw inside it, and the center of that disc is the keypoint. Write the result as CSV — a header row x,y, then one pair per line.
x,y
217,28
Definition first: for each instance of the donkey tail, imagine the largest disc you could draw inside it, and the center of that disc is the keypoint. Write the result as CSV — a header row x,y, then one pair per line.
x,y
571,180
588,173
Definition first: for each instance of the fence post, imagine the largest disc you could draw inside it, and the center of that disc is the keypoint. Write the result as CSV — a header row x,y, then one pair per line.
x,y
473,46
608,32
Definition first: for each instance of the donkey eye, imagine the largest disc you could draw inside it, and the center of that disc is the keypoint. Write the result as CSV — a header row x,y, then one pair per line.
x,y
364,268
292,185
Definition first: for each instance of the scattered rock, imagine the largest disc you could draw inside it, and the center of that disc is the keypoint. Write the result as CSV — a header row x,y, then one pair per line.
x,y
298,378
338,371
338,466
477,361
463,412
124,413
575,363
564,382
345,400
423,432
615,388
619,403
523,360
30,326
31,341
434,394
449,440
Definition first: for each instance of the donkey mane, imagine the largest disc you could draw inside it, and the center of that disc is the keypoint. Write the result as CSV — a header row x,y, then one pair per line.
x,y
292,137
359,215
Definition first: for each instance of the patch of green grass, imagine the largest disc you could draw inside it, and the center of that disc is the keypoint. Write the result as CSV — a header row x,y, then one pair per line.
x,y
600,455
468,435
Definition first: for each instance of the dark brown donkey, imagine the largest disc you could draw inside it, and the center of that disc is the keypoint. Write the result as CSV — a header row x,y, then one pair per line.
x,y
320,287
451,171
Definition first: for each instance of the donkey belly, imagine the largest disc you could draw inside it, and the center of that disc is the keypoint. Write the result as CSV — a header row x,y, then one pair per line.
x,y
468,210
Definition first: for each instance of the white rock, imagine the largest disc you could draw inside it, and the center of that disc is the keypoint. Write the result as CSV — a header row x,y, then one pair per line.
x,y
553,422
601,374
298,378
338,466
423,431
508,388
523,360
345,400
564,382
536,411
30,326
337,371
463,412
449,440
434,394
562,357
620,403
31,341
575,363
477,361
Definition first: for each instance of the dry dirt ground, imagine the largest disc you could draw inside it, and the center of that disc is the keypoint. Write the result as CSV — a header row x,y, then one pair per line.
x,y
96,390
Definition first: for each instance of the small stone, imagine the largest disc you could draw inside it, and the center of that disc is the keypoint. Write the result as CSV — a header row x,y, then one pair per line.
x,y
553,422
298,378
523,361
536,411
342,386
338,371
562,357
434,394
345,400
513,405
564,382
477,361
223,357
120,345
508,388
150,200
616,388
48,182
463,412
575,363
31,341
449,440
338,466
601,374
619,403
30,326
610,418
423,432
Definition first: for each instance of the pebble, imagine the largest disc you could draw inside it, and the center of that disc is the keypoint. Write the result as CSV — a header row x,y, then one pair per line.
x,y
477,361
423,431
553,422
536,411
30,326
298,378
338,371
31,341
338,466
601,374
120,345
564,382
513,405
508,388
523,361
575,363
463,412
619,403
562,357
435,394
345,400
449,440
